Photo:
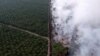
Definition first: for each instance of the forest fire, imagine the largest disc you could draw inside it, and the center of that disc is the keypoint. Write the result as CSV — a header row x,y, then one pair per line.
x,y
76,24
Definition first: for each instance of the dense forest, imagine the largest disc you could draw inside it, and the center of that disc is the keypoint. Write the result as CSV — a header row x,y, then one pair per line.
x,y
20,22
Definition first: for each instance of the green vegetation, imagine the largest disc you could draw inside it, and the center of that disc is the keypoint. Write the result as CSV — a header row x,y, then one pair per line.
x,y
30,15
58,49
16,43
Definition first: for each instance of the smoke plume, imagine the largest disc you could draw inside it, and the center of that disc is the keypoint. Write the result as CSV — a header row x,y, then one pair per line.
x,y
76,24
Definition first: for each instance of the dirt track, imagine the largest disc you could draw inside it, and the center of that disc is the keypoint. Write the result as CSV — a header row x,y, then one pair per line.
x,y
20,29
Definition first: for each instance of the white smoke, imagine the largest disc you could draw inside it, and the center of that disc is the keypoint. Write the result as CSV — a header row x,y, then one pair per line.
x,y
77,22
